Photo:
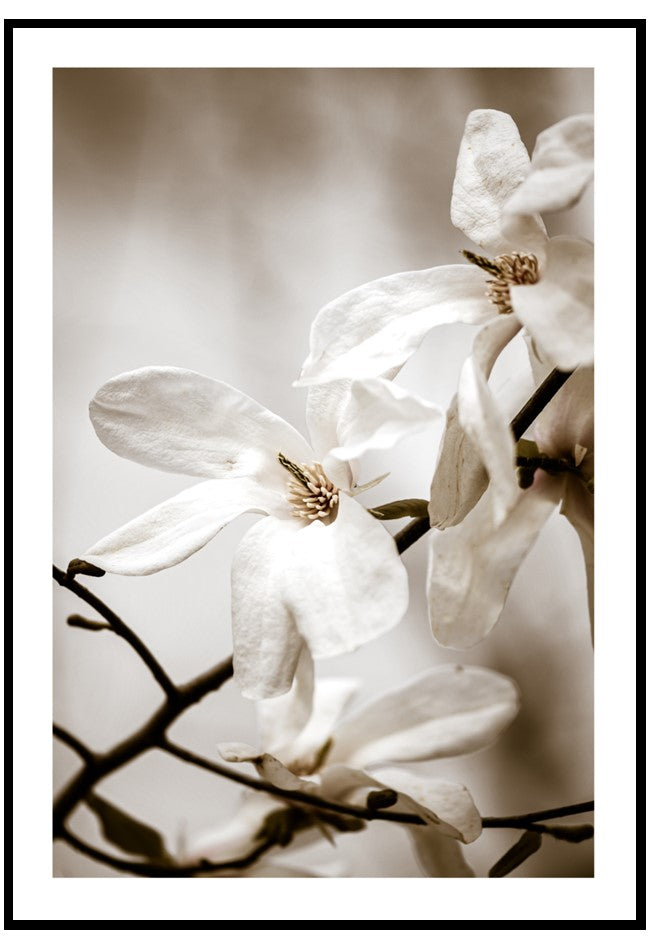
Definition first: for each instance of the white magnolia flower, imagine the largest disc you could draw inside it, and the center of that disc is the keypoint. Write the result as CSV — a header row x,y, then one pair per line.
x,y
474,563
318,570
498,194
446,711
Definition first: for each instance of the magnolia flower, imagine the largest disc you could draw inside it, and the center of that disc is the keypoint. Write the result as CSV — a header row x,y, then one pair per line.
x,y
446,711
474,563
317,571
497,197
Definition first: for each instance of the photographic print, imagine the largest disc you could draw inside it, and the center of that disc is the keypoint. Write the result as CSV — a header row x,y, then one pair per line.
x,y
324,472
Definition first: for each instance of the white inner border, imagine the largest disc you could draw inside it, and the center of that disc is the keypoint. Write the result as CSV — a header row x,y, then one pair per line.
x,y
612,53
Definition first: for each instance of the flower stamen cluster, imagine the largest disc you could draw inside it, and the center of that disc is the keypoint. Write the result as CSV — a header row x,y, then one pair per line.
x,y
514,269
312,495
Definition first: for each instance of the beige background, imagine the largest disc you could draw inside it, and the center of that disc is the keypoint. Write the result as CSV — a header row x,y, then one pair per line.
x,y
201,219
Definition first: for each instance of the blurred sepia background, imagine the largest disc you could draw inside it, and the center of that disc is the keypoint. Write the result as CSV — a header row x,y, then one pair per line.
x,y
201,219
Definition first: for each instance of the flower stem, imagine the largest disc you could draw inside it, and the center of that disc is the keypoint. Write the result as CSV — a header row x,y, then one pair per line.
x,y
522,820
118,626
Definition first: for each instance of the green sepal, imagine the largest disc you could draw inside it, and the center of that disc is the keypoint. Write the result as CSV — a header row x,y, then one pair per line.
x,y
403,508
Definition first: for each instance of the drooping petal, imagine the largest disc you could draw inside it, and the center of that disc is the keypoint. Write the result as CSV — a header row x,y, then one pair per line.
x,y
175,529
325,406
460,474
446,711
481,417
281,719
379,413
270,769
374,329
266,640
562,167
451,801
309,747
234,838
473,565
558,309
345,584
183,422
492,163
350,785
439,856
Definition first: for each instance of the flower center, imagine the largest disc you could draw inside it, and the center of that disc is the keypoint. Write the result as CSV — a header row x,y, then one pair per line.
x,y
508,270
310,492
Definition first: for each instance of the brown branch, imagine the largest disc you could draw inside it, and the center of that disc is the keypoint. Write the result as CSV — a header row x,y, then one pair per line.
x,y
295,797
73,742
118,626
523,820
142,868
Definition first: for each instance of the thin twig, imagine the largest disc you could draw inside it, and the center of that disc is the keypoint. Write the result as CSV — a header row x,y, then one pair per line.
x,y
73,742
161,869
118,626
296,797
147,737
522,820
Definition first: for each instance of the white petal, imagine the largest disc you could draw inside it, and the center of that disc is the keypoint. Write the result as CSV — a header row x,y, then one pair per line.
x,y
325,407
378,415
450,801
346,584
175,529
473,564
330,698
485,423
439,856
446,711
558,309
268,767
460,474
234,838
281,719
374,329
183,422
562,167
492,163
341,783
266,641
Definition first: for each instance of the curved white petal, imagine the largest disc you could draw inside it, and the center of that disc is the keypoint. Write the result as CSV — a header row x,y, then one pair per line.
x,y
342,783
280,720
183,422
233,839
492,163
446,711
269,767
451,801
471,442
175,529
374,329
345,584
379,414
473,565
558,309
330,699
485,423
326,404
562,167
460,477
266,640
439,856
